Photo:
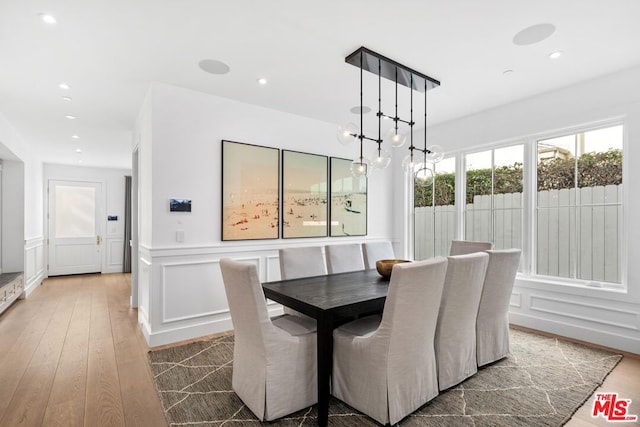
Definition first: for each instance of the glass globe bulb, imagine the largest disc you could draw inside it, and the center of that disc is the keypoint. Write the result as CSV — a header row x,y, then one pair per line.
x,y
360,167
436,153
381,160
396,139
409,165
424,175
347,133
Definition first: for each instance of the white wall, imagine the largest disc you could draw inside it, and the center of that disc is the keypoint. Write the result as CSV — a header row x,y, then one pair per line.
x,y
113,189
12,216
606,317
181,292
17,148
143,142
14,148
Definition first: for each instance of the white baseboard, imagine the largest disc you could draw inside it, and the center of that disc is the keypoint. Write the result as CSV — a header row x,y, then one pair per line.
x,y
607,339
184,333
178,334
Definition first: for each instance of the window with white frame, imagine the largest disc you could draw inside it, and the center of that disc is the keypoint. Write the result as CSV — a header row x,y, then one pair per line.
x,y
434,210
579,205
493,200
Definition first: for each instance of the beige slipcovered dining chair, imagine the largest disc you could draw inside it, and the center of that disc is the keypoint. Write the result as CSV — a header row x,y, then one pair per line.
x,y
274,362
492,324
301,262
462,247
373,251
386,367
455,341
344,258
296,263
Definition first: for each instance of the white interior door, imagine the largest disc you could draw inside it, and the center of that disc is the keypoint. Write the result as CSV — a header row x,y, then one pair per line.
x,y
75,241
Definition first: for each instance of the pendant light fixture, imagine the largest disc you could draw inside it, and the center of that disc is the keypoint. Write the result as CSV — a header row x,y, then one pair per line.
x,y
373,62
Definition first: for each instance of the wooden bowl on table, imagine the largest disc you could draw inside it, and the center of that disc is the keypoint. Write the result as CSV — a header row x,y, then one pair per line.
x,y
385,266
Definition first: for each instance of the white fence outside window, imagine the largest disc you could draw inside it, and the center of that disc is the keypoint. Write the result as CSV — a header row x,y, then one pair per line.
x,y
588,219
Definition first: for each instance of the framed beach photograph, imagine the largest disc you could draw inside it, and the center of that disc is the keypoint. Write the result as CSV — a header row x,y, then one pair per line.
x,y
304,195
250,191
348,207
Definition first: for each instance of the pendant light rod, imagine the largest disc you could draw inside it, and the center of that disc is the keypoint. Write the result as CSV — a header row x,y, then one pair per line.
x,y
379,108
411,146
425,150
395,117
361,105
425,123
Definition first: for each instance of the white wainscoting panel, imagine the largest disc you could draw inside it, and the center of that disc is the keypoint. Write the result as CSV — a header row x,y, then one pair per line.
x,y
34,268
30,264
585,311
192,289
182,293
40,260
273,268
516,299
144,294
605,336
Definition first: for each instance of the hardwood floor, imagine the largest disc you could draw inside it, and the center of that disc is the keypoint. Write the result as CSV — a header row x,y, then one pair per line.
x,y
72,354
624,380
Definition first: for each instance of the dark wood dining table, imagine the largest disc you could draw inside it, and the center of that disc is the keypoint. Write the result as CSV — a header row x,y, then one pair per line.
x,y
332,300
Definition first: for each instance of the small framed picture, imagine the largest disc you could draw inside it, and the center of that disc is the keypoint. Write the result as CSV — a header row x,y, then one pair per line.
x,y
179,205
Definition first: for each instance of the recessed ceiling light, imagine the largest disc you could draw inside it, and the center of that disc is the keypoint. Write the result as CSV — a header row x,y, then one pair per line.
x,y
66,98
70,117
533,34
262,81
64,86
356,109
46,18
213,66
78,150
555,55
75,136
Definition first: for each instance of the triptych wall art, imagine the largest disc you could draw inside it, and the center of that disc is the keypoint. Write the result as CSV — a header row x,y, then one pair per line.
x,y
269,193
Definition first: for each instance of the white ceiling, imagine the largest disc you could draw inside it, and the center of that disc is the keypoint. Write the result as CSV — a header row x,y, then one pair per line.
x,y
109,51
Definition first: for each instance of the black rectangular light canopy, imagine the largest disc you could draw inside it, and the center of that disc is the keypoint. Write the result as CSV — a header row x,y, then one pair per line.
x,y
388,67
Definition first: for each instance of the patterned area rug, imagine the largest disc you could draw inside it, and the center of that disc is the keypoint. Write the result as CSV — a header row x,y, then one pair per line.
x,y
542,383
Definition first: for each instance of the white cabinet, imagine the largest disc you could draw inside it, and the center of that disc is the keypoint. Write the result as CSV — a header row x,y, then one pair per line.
x,y
11,288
